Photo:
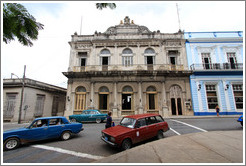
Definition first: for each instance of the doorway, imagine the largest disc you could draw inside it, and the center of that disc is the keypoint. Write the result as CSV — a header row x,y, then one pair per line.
x,y
176,100
126,101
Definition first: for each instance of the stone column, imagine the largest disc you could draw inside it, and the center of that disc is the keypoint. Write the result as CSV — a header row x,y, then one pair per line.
x,y
164,100
140,108
115,110
69,99
92,96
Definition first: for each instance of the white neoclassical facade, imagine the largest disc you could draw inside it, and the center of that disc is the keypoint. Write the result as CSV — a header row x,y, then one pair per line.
x,y
129,70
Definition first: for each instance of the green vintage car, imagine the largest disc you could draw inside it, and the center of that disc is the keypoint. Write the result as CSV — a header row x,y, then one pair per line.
x,y
88,116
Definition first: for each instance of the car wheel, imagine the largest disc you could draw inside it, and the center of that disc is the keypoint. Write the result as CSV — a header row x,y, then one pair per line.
x,y
98,120
11,143
160,134
241,123
73,120
66,135
126,144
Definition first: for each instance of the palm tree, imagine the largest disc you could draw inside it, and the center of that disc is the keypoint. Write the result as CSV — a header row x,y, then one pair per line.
x,y
17,22
100,6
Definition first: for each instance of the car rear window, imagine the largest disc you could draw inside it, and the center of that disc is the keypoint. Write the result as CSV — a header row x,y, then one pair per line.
x,y
159,119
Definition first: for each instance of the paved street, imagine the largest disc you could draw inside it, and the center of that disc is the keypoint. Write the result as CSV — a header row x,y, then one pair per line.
x,y
87,146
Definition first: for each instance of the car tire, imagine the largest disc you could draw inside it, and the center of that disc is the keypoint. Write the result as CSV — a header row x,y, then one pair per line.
x,y
73,120
160,134
126,144
11,143
98,120
66,135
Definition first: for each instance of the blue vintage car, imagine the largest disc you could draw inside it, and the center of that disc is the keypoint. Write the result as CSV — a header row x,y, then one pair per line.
x,y
240,119
41,129
88,116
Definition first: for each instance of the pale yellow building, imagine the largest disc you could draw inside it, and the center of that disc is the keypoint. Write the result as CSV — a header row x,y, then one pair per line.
x,y
128,69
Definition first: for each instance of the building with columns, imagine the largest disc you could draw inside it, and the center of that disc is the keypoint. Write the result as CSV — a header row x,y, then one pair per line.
x,y
129,69
216,61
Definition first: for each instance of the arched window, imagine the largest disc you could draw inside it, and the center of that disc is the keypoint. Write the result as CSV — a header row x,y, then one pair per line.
x,y
127,57
105,51
151,89
80,97
127,89
149,51
103,89
105,57
80,89
149,56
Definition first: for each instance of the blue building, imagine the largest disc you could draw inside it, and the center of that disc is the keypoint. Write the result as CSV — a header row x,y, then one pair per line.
x,y
216,59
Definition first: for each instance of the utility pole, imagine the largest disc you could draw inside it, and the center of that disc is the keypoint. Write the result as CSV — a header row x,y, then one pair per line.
x,y
22,92
81,25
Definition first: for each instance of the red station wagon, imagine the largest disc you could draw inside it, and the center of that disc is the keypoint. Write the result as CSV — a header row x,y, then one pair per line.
x,y
133,129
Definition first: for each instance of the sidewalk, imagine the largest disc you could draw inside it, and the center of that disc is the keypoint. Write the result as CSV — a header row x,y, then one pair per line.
x,y
202,147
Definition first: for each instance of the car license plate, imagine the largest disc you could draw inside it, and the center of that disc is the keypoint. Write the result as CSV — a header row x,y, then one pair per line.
x,y
106,138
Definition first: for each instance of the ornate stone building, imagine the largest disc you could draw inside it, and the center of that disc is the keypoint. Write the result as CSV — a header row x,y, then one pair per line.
x,y
129,70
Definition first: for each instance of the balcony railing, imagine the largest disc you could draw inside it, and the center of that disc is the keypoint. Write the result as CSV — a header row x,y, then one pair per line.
x,y
155,67
217,66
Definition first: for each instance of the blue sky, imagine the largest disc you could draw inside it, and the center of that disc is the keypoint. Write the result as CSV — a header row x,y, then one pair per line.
x,y
49,56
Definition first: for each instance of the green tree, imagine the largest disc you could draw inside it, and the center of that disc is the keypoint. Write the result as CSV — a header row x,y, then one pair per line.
x,y
17,22
100,6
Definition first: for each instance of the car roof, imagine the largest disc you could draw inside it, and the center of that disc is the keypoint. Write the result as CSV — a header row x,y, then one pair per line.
x,y
90,110
51,117
138,116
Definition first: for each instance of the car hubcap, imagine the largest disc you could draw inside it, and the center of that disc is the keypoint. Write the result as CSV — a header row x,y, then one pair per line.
x,y
98,120
11,144
127,145
66,136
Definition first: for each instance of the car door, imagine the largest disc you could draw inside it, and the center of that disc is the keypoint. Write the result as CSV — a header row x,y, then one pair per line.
x,y
152,126
37,132
55,128
141,130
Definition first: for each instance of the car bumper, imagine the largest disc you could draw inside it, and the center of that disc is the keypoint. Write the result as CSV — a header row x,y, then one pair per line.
x,y
108,142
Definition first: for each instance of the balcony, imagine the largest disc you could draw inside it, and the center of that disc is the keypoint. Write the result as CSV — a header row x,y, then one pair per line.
x,y
217,67
155,67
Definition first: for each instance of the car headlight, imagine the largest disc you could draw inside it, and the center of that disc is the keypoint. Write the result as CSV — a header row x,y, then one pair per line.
x,y
112,139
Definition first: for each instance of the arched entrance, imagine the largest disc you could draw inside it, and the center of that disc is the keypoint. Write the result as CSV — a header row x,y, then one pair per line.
x,y
103,99
176,100
151,101
80,98
127,101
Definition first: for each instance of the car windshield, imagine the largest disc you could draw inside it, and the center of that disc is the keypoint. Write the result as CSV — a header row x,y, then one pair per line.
x,y
128,122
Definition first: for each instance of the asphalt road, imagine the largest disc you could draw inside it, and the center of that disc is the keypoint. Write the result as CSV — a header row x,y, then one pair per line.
x,y
87,146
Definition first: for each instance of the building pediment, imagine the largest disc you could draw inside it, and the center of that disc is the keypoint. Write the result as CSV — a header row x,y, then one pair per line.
x,y
127,27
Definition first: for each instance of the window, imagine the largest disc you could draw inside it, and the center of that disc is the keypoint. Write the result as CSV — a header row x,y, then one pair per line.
x,y
206,61
141,123
82,53
212,99
57,121
105,57
82,61
238,95
39,108
151,120
173,56
127,57
149,54
159,119
10,105
80,96
231,56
